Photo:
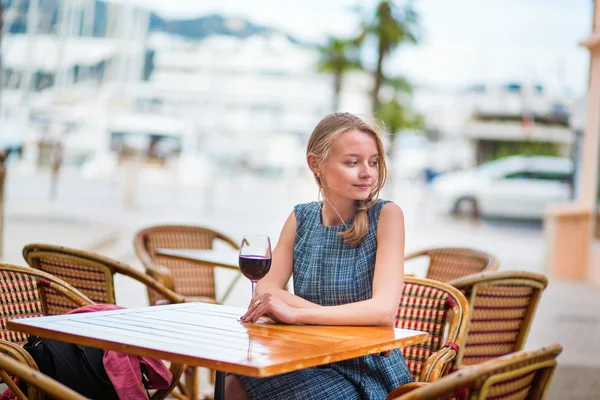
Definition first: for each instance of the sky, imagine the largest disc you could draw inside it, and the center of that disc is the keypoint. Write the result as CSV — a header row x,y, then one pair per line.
x,y
463,41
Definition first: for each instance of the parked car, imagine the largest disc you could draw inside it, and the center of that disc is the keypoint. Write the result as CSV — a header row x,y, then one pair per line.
x,y
515,187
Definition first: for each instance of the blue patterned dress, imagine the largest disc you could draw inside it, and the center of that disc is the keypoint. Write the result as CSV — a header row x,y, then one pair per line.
x,y
329,272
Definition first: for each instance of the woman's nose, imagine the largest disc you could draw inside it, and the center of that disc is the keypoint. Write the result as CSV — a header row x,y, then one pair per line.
x,y
364,172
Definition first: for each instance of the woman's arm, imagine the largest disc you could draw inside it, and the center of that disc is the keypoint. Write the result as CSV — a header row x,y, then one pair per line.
x,y
281,268
381,309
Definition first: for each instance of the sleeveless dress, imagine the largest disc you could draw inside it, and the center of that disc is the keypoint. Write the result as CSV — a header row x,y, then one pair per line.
x,y
329,272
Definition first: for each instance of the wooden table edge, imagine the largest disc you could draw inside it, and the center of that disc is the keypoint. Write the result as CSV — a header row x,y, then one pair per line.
x,y
258,372
315,360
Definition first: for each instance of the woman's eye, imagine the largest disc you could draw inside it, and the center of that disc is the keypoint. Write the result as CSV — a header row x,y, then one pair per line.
x,y
352,163
374,163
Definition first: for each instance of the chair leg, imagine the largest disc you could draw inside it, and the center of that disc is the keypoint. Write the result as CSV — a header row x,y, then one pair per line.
x,y
177,395
192,384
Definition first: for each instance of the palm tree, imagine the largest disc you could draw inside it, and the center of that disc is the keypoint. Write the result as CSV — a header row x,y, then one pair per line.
x,y
391,28
401,85
338,57
396,117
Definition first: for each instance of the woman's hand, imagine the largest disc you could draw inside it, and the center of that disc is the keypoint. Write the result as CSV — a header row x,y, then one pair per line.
x,y
270,306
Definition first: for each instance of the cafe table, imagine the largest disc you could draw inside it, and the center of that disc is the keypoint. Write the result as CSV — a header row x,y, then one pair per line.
x,y
212,336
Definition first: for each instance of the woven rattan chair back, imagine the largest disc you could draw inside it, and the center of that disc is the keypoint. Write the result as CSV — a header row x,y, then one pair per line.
x,y
26,292
38,383
448,263
521,375
91,273
443,312
187,278
503,306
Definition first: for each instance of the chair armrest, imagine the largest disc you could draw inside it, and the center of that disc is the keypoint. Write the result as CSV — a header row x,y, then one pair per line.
x,y
159,279
176,370
402,390
156,271
18,353
416,254
164,290
232,267
438,364
188,299
65,290
162,274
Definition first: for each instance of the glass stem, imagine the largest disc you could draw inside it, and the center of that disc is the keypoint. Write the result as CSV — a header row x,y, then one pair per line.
x,y
253,289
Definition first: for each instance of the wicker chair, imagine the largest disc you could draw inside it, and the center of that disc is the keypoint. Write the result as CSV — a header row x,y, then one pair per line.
x,y
522,375
28,292
449,263
191,279
24,293
43,384
443,312
503,305
91,273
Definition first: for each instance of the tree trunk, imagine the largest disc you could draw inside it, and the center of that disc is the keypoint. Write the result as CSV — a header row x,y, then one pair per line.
x,y
378,80
337,91
392,176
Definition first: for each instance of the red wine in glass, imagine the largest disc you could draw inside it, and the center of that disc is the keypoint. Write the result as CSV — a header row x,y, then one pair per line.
x,y
255,258
254,267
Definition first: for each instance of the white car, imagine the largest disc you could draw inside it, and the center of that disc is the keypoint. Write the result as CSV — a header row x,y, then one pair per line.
x,y
515,187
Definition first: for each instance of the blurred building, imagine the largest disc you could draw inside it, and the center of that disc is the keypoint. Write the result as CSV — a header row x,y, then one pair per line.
x,y
573,229
60,58
264,83
243,91
515,119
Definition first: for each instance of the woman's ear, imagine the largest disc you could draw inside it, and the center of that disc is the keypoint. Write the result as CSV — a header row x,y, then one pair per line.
x,y
313,164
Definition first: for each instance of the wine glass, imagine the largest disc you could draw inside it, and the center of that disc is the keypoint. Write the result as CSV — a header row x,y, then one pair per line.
x,y
255,258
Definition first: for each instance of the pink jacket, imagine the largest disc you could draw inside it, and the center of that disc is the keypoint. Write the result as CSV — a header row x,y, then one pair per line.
x,y
123,369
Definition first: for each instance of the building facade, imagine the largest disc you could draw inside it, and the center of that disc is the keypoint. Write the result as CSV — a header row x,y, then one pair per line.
x,y
573,229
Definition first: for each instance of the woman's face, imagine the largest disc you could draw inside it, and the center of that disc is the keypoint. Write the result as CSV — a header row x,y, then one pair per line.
x,y
352,168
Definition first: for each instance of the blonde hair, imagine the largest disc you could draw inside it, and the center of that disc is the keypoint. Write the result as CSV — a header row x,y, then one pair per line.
x,y
320,143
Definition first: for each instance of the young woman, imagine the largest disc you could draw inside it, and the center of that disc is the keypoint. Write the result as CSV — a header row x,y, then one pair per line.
x,y
346,254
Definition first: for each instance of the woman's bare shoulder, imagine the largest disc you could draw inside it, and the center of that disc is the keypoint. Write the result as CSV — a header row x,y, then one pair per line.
x,y
391,211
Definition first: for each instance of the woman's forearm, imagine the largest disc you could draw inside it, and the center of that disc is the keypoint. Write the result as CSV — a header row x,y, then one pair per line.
x,y
375,311
368,312
290,299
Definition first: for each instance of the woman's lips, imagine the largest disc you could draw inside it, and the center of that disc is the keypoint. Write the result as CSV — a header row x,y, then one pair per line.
x,y
363,187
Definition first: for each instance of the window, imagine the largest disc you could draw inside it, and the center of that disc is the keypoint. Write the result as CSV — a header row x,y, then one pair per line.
x,y
519,175
555,176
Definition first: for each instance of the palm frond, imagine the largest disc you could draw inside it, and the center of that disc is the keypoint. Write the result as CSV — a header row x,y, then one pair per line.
x,y
338,56
400,84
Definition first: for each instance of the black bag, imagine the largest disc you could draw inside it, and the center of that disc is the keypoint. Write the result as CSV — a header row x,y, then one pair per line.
x,y
76,366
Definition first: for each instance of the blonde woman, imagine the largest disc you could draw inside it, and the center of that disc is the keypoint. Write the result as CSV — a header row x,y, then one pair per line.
x,y
346,253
